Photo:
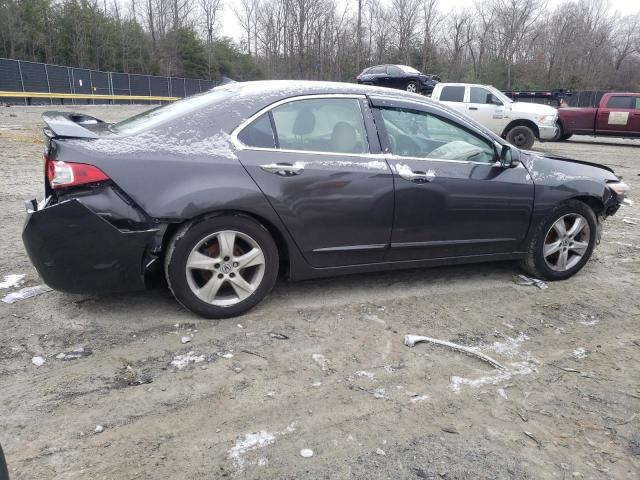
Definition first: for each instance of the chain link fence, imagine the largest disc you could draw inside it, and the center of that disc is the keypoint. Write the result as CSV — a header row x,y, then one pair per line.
x,y
25,76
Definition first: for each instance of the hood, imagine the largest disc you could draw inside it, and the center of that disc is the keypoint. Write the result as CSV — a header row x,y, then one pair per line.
x,y
541,165
533,108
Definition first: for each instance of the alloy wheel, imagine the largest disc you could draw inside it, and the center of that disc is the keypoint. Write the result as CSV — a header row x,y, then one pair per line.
x,y
566,242
411,87
225,268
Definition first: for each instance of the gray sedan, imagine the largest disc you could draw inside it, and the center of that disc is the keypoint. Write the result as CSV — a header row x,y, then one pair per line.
x,y
224,191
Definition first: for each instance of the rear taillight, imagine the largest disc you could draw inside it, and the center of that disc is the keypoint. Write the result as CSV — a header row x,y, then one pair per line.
x,y
66,174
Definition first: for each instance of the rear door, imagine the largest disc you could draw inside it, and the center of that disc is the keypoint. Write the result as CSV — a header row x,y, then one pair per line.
x,y
453,96
453,198
615,117
486,109
314,159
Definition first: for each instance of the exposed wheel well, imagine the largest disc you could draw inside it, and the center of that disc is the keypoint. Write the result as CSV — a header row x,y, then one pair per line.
x,y
523,123
594,203
283,250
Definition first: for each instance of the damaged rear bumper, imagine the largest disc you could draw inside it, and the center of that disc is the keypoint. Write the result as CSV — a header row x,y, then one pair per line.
x,y
77,251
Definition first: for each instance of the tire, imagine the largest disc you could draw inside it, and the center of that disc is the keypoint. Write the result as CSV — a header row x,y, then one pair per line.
x,y
222,288
558,136
535,262
521,136
412,87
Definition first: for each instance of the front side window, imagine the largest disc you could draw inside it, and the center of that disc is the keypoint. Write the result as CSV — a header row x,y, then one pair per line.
x,y
619,102
393,70
452,94
332,125
419,134
637,103
483,96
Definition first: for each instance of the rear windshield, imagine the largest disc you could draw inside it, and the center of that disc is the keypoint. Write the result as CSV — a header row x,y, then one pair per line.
x,y
165,113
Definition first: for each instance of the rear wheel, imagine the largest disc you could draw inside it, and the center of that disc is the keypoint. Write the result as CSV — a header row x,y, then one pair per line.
x,y
521,136
563,243
222,266
412,87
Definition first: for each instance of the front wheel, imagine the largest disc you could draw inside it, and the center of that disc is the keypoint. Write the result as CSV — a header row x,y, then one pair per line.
x,y
222,266
563,243
521,136
412,87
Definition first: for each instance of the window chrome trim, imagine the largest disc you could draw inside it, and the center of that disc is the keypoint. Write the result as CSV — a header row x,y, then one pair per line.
x,y
241,146
381,156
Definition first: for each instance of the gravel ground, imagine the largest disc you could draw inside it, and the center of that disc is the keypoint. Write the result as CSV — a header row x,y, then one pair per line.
x,y
321,365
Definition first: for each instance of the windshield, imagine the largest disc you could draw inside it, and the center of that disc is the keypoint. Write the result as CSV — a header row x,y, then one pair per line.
x,y
159,115
408,69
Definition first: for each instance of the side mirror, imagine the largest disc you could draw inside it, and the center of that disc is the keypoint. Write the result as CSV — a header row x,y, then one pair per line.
x,y
508,158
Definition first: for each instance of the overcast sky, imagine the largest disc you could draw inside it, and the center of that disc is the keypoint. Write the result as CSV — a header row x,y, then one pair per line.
x,y
231,28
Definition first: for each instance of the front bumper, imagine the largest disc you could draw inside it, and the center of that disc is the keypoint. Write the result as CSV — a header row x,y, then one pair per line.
x,y
547,132
77,251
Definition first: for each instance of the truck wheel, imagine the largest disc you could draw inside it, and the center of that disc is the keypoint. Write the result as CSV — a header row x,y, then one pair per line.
x,y
566,137
521,136
562,243
558,136
222,266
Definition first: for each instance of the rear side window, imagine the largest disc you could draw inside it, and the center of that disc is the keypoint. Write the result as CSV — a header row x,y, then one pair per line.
x,y
452,94
321,125
619,102
258,133
374,70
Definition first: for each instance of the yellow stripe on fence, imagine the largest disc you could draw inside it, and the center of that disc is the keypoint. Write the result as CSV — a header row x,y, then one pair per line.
x,y
84,96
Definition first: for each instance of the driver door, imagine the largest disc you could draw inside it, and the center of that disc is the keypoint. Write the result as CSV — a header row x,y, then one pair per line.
x,y
452,198
486,109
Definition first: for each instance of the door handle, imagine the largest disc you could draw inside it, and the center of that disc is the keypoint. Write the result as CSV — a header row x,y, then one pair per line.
x,y
473,108
284,169
416,177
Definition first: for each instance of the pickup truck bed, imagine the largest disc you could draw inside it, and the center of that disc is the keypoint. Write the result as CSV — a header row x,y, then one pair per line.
x,y
618,115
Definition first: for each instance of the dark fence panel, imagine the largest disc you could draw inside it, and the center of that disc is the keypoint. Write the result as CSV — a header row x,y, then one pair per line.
x,y
24,76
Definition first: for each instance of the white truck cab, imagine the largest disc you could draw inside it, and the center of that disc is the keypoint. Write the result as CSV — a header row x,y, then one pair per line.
x,y
519,123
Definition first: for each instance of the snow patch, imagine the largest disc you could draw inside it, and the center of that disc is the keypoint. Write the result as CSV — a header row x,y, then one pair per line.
x,y
12,280
25,293
254,441
181,361
579,353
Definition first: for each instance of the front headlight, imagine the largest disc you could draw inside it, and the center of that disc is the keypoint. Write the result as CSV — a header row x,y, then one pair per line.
x,y
620,188
548,120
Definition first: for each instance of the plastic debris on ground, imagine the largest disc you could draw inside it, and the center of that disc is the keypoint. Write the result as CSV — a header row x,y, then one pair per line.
x,y
12,280
306,453
185,339
38,361
74,354
529,281
411,340
631,221
25,293
99,429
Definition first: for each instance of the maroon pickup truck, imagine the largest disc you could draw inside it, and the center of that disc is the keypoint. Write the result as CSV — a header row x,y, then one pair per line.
x,y
617,116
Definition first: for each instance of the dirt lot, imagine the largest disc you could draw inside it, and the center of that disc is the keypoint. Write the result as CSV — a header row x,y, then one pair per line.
x,y
321,365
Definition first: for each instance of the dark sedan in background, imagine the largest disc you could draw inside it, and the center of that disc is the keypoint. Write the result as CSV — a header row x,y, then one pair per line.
x,y
401,77
223,191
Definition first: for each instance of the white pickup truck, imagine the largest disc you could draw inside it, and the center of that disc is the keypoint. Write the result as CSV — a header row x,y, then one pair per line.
x,y
519,123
